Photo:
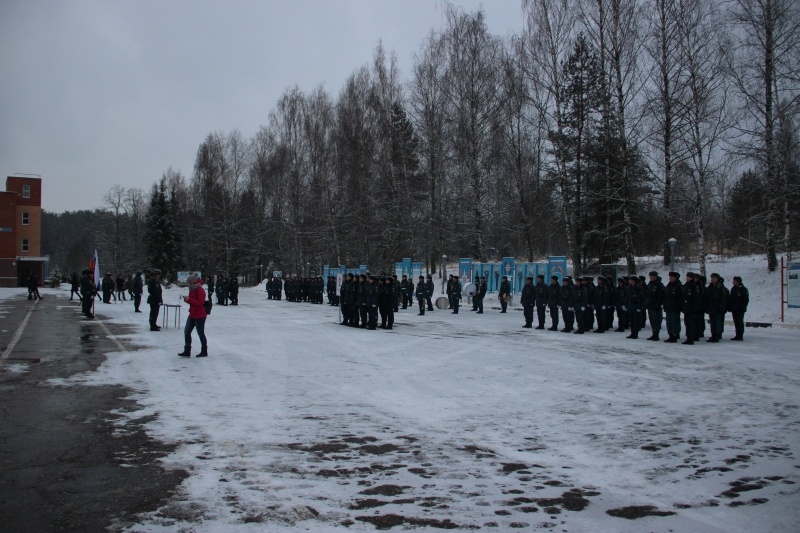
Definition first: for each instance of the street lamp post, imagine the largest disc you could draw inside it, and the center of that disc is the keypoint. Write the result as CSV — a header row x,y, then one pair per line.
x,y
672,243
444,271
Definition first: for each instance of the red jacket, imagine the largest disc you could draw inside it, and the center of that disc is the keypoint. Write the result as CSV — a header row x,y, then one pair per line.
x,y
196,299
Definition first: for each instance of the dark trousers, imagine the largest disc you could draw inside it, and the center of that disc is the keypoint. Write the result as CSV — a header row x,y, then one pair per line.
x,y
610,317
700,325
154,309
137,301
86,305
656,317
738,323
421,302
540,314
363,311
569,318
430,304
554,316
674,324
580,321
200,324
622,318
479,303
716,320
456,302
690,322
344,308
372,319
527,311
635,321
588,318
601,318
74,292
503,304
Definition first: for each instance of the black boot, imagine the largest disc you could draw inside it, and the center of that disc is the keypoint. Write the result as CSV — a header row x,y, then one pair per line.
x,y
203,352
653,337
633,336
187,351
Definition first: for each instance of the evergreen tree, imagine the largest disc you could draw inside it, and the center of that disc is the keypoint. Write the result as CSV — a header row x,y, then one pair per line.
x,y
162,244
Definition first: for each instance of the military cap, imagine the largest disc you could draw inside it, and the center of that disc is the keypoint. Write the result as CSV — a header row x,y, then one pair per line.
x,y
567,278
652,273
621,279
588,278
156,272
530,278
675,275
553,277
539,276
715,275
737,278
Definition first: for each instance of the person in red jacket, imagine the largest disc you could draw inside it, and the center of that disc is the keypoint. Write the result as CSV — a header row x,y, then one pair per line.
x,y
197,317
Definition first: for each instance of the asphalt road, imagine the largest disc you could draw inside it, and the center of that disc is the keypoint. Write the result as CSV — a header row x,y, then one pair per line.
x,y
64,465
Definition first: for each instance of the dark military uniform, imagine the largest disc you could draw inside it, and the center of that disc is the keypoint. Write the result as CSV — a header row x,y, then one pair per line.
x,y
233,289
361,301
580,300
138,289
480,294
565,301
619,303
527,300
421,294
655,302
372,302
553,300
601,303
457,289
737,303
540,300
692,305
405,292
387,298
343,307
634,303
717,305
673,302
505,290
429,288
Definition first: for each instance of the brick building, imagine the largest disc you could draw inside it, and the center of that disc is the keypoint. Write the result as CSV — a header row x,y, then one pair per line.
x,y
21,232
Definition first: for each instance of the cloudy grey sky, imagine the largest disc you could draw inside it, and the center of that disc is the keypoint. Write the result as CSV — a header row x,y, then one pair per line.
x,y
105,92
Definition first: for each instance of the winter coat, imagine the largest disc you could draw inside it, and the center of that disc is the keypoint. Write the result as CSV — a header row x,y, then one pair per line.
x,y
673,297
692,302
553,295
540,294
716,300
655,295
739,299
371,295
566,295
528,296
602,297
154,291
138,285
634,298
196,301
505,288
429,288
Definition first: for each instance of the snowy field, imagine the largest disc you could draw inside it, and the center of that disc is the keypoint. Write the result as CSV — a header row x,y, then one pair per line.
x,y
465,421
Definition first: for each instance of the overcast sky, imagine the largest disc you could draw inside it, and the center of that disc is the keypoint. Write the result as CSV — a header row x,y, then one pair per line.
x,y
98,93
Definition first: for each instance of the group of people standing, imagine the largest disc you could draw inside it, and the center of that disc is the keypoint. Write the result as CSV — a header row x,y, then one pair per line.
x,y
635,300
226,289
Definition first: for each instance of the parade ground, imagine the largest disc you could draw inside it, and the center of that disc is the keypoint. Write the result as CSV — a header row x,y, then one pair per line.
x,y
465,421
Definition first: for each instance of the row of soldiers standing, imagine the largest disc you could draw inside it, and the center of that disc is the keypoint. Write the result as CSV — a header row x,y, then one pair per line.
x,y
362,297
226,289
582,304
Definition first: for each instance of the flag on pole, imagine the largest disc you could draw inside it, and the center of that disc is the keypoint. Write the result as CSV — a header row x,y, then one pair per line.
x,y
94,264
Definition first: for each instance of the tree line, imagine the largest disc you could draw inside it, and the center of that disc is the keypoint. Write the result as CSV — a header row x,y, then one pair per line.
x,y
599,131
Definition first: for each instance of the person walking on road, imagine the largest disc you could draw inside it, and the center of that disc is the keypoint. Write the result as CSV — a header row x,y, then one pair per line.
x,y
197,317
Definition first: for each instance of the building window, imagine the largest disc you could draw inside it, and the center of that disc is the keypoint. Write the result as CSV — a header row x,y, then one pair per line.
x,y
24,245
26,219
26,191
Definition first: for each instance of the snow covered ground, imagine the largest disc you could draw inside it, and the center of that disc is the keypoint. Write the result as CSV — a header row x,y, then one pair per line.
x,y
297,423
